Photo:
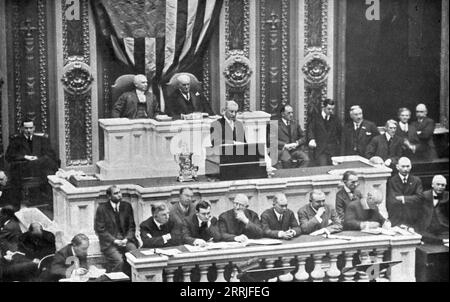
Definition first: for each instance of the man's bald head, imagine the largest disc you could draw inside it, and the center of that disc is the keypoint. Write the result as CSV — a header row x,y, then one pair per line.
x,y
140,82
438,184
421,111
404,166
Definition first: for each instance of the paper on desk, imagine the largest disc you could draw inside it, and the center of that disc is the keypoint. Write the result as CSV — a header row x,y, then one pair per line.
x,y
224,245
348,238
378,231
193,248
148,252
168,252
264,241
117,276
95,272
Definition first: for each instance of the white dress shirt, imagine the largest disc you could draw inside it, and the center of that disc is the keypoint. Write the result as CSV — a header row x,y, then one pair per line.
x,y
141,96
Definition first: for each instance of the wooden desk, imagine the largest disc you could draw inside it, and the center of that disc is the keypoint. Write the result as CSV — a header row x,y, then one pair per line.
x,y
432,263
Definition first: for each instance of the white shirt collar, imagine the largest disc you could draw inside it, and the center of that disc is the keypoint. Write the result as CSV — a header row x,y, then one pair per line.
x,y
157,223
114,206
364,204
403,126
284,121
315,211
200,222
231,123
183,208
324,116
277,214
403,177
388,137
141,96
357,125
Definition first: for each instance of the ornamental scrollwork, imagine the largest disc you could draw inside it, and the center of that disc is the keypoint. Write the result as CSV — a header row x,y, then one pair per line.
x,y
77,78
316,68
237,70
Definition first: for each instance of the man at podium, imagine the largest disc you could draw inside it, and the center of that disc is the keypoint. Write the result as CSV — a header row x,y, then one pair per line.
x,y
227,130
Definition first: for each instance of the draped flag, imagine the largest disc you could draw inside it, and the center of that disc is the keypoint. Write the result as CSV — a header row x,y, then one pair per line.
x,y
158,38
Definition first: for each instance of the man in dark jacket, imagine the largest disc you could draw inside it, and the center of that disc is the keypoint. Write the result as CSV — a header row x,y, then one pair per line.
x,y
115,227
347,194
228,129
136,104
280,222
37,243
424,127
364,214
358,133
324,134
388,146
240,224
201,227
160,231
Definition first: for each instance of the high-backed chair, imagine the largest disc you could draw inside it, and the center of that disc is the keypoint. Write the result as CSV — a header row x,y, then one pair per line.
x,y
122,84
196,85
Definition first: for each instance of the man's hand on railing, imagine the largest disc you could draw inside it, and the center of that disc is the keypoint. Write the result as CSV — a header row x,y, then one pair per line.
x,y
200,242
241,238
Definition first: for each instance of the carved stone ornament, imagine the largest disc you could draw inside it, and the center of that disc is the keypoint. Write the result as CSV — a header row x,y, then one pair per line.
x,y
237,70
77,78
316,68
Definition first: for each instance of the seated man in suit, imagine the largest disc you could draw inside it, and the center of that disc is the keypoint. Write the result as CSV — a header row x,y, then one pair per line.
x,y
291,139
70,261
317,218
37,243
136,104
186,101
280,222
227,130
407,132
158,230
348,193
201,227
364,214
183,209
432,218
6,197
388,146
424,127
115,227
324,134
403,195
239,224
31,155
9,230
358,133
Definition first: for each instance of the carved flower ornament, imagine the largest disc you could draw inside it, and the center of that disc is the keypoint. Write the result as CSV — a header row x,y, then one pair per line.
x,y
237,71
316,69
77,78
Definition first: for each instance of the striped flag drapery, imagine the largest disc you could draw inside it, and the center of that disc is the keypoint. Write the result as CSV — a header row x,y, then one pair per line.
x,y
156,37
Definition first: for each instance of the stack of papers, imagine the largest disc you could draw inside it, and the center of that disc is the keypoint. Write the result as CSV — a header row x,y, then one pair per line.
x,y
379,231
117,276
95,272
167,252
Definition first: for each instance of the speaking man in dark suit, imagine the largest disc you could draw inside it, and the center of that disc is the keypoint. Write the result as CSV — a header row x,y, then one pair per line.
x,y
136,104
158,230
115,227
280,222
324,134
388,146
201,227
407,132
358,133
432,219
364,214
317,218
240,224
227,130
186,101
291,139
184,208
403,194
348,193
70,261
31,155
424,127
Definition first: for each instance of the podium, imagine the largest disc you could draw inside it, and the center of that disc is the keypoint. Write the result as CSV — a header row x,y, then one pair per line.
x,y
236,161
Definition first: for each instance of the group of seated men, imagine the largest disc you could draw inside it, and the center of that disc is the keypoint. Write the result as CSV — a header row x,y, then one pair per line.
x,y
191,222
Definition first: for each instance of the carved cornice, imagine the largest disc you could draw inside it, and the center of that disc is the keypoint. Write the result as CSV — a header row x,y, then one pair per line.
x,y
43,72
284,51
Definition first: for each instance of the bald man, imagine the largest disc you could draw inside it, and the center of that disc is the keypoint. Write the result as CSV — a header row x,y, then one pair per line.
x,y
432,218
403,194
424,127
228,129
137,104
358,133
185,100
364,213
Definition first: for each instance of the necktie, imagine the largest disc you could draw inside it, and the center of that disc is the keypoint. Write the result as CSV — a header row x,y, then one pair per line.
x,y
289,131
280,218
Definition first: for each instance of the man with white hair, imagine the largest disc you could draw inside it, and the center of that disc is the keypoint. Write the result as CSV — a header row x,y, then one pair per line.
x,y
137,104
424,127
433,215
185,100
364,213
228,129
388,146
358,133
240,223
403,194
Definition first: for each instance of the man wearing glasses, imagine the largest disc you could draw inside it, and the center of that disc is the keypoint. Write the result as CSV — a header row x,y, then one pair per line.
x,y
317,218
280,222
201,227
424,127
239,224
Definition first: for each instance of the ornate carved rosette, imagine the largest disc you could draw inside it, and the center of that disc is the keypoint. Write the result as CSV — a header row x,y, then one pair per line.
x,y
77,78
237,70
316,68
207,76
